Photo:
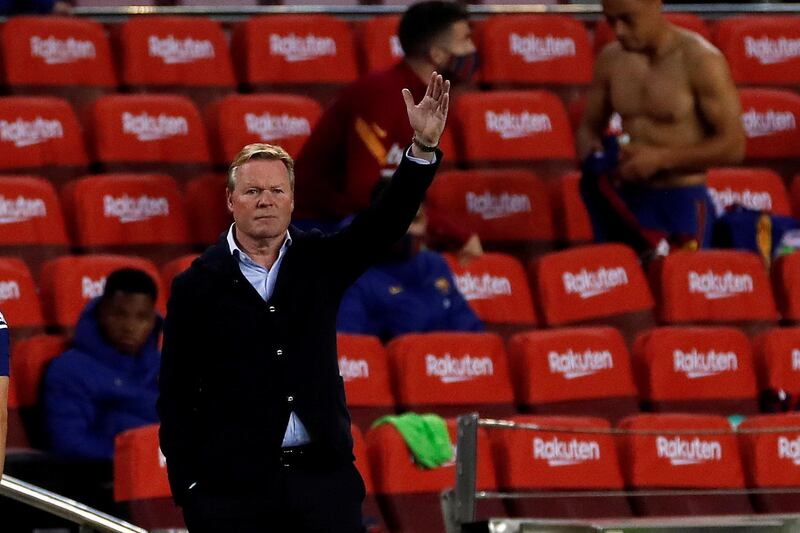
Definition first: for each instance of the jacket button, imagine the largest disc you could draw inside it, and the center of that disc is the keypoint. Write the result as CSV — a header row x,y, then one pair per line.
x,y
290,399
271,308
278,352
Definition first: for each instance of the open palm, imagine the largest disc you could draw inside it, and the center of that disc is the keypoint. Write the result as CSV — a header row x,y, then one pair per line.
x,y
429,116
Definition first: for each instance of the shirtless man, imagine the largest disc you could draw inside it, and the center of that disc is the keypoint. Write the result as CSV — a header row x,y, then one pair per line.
x,y
678,104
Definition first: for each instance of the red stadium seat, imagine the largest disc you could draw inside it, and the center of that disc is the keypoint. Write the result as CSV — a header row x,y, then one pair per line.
x,y
786,284
149,133
176,54
573,225
31,223
379,46
451,373
172,269
308,54
40,135
755,188
713,287
770,121
770,446
496,287
604,35
552,461
581,371
140,214
696,370
58,56
693,452
364,367
514,128
70,282
282,119
409,494
140,480
371,513
207,209
508,209
591,285
19,300
795,193
777,354
16,432
761,50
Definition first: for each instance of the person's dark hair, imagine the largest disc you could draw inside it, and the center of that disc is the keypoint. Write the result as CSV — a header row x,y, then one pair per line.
x,y
130,281
424,22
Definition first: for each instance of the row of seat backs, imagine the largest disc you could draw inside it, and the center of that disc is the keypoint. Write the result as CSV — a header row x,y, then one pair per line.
x,y
303,49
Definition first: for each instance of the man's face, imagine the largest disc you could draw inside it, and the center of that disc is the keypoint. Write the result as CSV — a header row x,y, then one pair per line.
x,y
262,201
634,22
127,320
457,41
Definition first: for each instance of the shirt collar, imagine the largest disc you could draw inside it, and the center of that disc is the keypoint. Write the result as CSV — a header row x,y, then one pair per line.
x,y
238,252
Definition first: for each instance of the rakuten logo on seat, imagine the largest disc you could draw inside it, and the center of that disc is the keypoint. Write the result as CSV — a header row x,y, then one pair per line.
x,y
21,209
796,360
294,48
572,364
590,284
352,369
270,127
175,51
789,449
450,369
515,125
147,127
29,132
493,206
9,290
482,287
534,49
681,452
91,288
697,364
762,124
396,47
771,51
717,286
59,51
128,209
758,200
559,452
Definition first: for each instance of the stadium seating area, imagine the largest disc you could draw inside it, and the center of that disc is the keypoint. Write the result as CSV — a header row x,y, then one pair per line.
x,y
113,145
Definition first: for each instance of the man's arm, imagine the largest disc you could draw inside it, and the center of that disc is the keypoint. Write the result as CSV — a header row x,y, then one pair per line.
x,y
598,107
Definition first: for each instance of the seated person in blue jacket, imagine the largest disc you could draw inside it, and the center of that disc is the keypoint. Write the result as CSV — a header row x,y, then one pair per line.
x,y
410,291
107,382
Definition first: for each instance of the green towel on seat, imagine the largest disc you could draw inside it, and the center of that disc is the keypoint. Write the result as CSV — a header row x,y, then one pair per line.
x,y
425,435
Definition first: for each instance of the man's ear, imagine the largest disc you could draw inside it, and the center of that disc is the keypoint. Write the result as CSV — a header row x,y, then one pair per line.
x,y
229,199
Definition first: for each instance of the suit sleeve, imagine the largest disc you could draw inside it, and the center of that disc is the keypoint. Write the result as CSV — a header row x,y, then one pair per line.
x,y
5,348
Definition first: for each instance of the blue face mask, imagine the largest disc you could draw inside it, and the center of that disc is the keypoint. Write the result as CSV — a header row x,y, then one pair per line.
x,y
461,68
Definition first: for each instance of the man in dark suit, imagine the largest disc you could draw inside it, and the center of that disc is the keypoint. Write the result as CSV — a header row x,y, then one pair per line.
x,y
254,424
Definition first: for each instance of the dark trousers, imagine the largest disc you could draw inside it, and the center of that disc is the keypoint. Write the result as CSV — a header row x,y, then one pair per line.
x,y
303,498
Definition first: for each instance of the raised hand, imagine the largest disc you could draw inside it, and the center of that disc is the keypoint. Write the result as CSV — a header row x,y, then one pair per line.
x,y
428,117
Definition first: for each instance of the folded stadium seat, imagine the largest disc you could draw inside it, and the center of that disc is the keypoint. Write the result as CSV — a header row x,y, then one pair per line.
x,y
137,214
371,512
304,54
696,370
604,35
207,209
770,119
761,50
16,434
29,361
544,51
149,133
41,136
770,447
408,494
714,287
141,486
364,369
70,282
187,55
795,194
508,209
678,452
573,371
115,3
66,57
238,120
172,269
786,284
573,226
19,299
379,47
496,287
777,356
599,284
514,128
550,461
31,222
755,188
451,374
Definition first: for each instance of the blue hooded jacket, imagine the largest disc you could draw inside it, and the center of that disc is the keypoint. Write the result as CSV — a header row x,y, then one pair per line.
x,y
92,391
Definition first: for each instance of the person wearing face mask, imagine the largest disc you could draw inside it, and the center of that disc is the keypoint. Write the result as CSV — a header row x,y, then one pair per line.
x,y
361,136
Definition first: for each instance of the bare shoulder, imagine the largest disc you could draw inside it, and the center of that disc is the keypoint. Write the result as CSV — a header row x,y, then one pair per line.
x,y
698,51
611,55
